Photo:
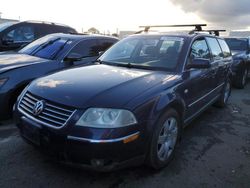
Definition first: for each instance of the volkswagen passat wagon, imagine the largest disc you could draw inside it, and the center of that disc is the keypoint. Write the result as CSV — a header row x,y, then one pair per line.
x,y
131,106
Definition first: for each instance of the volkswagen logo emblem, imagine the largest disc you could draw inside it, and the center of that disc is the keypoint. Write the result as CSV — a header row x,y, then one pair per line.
x,y
38,108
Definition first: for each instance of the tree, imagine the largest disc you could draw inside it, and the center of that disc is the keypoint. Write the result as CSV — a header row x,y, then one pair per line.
x,y
93,30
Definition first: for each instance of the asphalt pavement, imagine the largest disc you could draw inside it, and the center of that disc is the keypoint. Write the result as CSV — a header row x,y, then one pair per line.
x,y
214,152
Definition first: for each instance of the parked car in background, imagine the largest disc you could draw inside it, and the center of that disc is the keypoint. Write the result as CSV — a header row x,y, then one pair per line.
x,y
240,48
131,106
14,35
46,55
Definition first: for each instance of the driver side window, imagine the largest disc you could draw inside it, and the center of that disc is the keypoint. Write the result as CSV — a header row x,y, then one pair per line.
x,y
86,48
199,49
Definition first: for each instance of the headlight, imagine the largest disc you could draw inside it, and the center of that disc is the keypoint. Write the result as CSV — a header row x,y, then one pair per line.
x,y
3,81
106,118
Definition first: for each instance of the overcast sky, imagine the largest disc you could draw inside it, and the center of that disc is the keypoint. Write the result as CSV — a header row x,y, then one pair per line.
x,y
129,14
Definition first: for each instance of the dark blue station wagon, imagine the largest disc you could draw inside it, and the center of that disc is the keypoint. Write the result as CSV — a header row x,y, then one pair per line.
x,y
132,105
44,56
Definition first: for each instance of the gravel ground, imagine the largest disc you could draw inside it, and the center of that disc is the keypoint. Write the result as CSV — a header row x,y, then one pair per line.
x,y
214,152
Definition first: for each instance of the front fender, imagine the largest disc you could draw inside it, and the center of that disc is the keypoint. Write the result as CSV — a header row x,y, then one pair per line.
x,y
238,66
169,100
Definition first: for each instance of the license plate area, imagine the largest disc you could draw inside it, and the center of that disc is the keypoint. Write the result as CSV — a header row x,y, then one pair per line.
x,y
31,133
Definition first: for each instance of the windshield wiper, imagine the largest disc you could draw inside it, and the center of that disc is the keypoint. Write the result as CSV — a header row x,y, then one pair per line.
x,y
128,65
53,56
104,62
39,48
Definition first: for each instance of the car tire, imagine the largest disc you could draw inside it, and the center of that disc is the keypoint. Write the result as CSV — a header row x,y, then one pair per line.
x,y
226,92
164,140
242,79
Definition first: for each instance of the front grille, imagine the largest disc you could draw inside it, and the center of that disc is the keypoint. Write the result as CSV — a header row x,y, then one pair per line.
x,y
53,114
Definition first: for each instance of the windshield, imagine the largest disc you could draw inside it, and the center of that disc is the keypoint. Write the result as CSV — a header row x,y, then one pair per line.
x,y
48,47
148,52
240,44
3,26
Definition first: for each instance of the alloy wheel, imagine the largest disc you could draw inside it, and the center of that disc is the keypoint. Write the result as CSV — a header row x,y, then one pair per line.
x,y
167,138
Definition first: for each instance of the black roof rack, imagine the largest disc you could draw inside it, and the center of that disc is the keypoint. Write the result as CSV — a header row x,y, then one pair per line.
x,y
198,27
215,32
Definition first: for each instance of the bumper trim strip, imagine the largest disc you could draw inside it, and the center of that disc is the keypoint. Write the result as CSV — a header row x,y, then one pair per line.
x,y
101,141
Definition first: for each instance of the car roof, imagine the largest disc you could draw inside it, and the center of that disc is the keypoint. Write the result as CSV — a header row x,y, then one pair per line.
x,y
44,22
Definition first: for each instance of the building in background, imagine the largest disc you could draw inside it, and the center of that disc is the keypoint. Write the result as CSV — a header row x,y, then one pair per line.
x,y
124,34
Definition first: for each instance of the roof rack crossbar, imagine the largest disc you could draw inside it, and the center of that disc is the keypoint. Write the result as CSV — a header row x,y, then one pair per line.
x,y
198,27
216,32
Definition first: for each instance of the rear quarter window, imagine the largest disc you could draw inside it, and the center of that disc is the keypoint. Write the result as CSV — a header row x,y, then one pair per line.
x,y
225,49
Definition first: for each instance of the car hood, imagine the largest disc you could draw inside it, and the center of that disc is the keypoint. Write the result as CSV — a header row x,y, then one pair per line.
x,y
97,85
13,60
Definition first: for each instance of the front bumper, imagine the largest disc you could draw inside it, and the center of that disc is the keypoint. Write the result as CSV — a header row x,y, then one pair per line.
x,y
5,111
99,154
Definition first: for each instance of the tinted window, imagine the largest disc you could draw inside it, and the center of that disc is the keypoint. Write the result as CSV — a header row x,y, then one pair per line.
x,y
49,49
64,29
104,44
215,48
200,49
20,34
86,48
225,48
237,43
34,45
155,52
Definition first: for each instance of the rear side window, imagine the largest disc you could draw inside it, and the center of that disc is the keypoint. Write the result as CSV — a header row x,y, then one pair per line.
x,y
215,48
68,30
200,49
60,29
86,48
225,48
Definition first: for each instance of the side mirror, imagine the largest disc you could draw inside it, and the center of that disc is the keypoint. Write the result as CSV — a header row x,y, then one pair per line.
x,y
72,57
100,53
199,63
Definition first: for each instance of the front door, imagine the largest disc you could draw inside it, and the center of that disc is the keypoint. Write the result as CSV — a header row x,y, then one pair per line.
x,y
197,82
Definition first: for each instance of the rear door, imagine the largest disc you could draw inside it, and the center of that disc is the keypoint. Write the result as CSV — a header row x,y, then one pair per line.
x,y
218,67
